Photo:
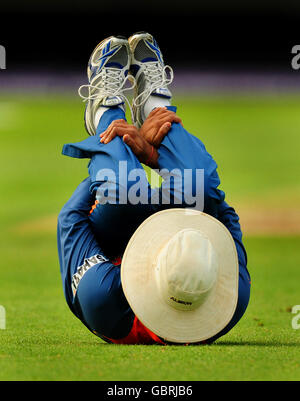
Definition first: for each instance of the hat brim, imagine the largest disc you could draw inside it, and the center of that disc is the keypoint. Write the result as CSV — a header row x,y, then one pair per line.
x,y
139,282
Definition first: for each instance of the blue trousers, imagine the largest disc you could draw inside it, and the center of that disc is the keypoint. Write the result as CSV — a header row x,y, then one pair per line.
x,y
100,299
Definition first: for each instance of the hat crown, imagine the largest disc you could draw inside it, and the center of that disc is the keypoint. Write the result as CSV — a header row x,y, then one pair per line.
x,y
187,269
150,268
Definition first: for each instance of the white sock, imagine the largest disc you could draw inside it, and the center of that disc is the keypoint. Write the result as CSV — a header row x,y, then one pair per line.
x,y
153,102
99,113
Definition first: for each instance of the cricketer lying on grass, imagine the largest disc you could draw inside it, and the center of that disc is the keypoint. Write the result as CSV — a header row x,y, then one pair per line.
x,y
143,265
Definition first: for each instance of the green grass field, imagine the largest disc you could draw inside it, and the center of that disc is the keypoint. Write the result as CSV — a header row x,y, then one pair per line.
x,y
255,140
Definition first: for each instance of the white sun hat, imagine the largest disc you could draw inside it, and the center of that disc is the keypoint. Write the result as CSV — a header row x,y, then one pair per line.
x,y
179,274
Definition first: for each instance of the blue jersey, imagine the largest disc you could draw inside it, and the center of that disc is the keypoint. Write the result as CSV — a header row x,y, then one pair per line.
x,y
91,279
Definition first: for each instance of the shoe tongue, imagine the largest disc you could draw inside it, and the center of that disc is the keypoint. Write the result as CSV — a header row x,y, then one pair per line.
x,y
163,92
112,101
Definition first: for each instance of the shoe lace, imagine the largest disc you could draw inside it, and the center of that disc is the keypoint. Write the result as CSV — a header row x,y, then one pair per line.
x,y
109,82
157,77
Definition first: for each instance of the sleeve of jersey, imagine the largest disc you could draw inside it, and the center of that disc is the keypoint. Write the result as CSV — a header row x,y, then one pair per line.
x,y
228,216
183,152
77,248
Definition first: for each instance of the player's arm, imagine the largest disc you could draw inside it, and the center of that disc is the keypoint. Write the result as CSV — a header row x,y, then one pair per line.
x,y
230,219
143,142
163,143
76,242
143,150
180,150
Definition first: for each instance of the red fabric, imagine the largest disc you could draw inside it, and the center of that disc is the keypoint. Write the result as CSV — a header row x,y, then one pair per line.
x,y
139,334
117,261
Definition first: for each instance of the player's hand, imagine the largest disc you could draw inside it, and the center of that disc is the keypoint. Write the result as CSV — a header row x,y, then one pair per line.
x,y
144,151
157,125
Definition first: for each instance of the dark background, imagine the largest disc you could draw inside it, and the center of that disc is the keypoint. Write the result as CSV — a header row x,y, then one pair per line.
x,y
202,35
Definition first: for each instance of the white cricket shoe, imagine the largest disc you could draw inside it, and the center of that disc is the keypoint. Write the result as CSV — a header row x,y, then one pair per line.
x,y
150,72
107,74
